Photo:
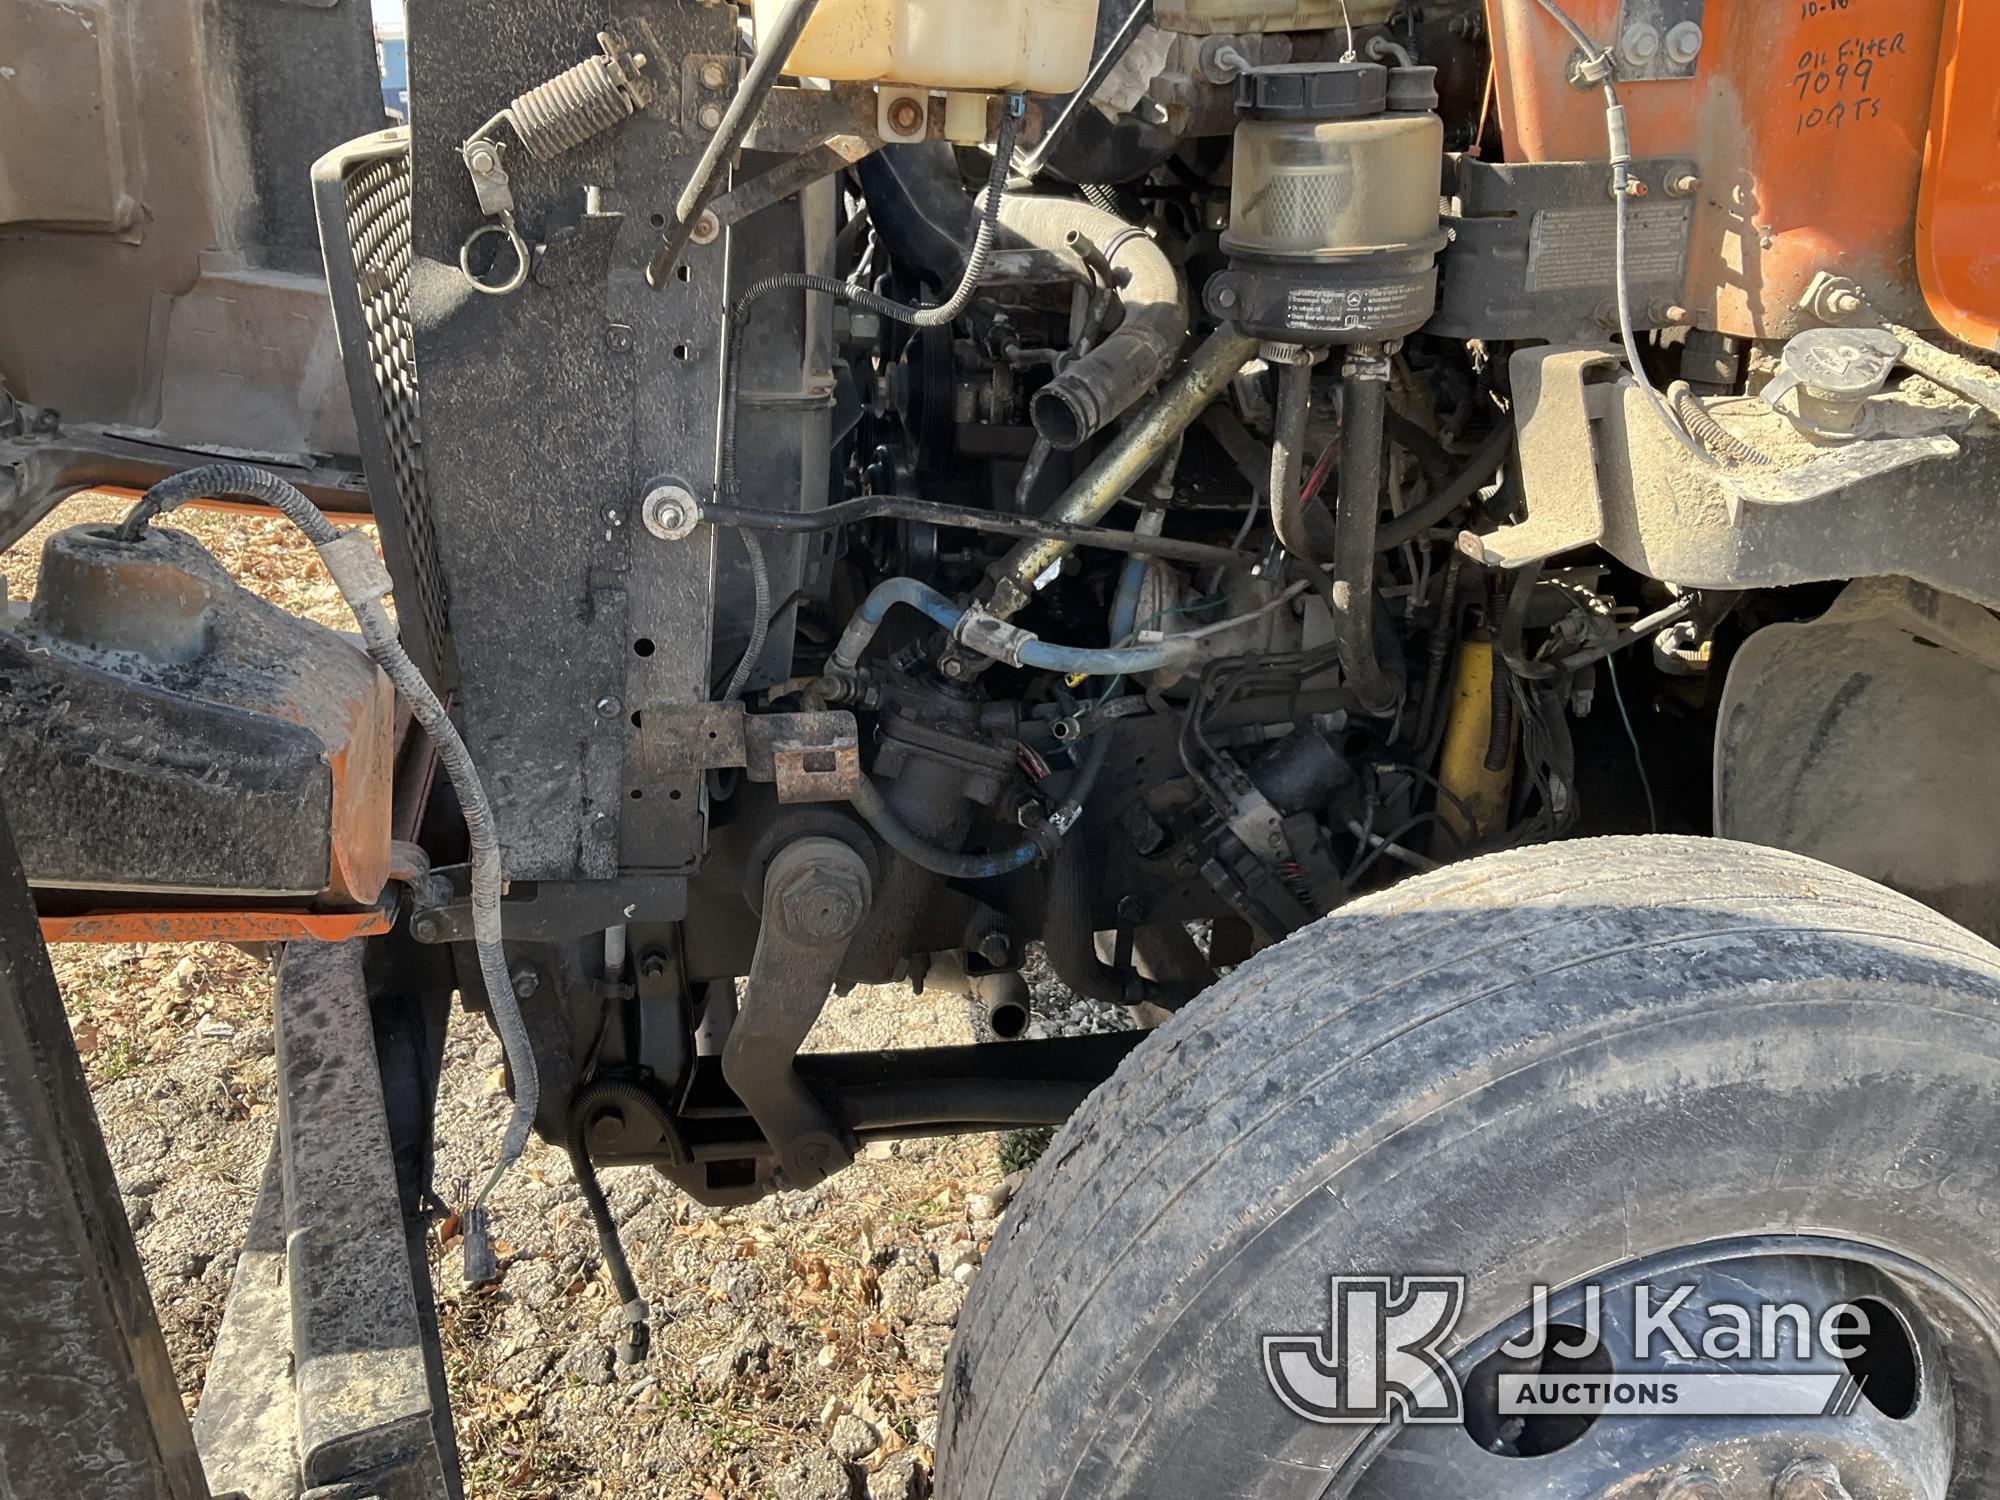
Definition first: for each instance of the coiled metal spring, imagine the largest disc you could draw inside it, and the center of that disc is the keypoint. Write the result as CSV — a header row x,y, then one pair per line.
x,y
583,102
573,107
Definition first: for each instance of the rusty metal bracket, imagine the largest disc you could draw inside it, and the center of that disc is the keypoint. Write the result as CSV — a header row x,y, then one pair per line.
x,y
812,757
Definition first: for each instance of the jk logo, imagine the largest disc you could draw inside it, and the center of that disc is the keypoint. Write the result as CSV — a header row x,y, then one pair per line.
x,y
1380,1356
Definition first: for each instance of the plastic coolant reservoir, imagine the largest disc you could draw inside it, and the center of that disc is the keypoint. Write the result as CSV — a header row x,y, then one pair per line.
x,y
1038,46
1807,119
1205,17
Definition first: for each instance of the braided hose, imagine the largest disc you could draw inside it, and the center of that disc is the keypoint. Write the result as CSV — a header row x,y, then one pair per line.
x,y
1706,430
364,583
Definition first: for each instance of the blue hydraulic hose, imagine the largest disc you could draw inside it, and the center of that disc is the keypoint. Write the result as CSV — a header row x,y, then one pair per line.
x,y
1030,652
1125,603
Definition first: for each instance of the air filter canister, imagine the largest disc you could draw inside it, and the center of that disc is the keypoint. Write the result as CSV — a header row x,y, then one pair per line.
x,y
1333,223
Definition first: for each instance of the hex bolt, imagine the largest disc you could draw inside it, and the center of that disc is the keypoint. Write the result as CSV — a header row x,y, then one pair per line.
x,y
670,512
1810,1479
706,228
1696,1485
426,927
709,116
818,890
607,1127
1684,42
653,964
906,116
1683,185
1640,44
526,980
1225,297
482,158
712,75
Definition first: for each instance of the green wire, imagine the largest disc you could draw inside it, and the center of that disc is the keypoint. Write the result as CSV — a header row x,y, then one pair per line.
x,y
1154,618
1638,757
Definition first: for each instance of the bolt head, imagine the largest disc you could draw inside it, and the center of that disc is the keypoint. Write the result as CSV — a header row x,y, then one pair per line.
x,y
706,228
820,909
906,114
819,902
607,707
482,158
1640,44
669,512
526,981
425,927
708,116
713,76
1684,42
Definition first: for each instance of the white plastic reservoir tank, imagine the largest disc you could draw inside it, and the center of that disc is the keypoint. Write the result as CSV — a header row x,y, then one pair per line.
x,y
1037,46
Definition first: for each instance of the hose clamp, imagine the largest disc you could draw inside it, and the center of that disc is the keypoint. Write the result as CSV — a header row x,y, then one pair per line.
x,y
989,635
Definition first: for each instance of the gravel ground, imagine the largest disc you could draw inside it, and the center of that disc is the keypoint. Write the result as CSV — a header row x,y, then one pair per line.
x,y
798,1343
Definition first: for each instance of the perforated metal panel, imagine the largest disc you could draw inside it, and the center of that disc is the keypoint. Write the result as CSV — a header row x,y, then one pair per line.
x,y
362,193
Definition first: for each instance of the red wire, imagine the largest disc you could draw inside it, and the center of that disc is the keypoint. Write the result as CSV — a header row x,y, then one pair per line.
x,y
1319,472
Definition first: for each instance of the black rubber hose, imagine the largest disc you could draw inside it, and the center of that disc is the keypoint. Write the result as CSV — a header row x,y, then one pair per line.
x,y
589,1099
1500,723
1305,531
939,316
1362,414
1068,939
918,850
1102,383
1070,942
1433,508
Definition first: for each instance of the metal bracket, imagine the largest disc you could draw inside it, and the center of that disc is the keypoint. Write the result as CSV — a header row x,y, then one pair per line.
x,y
1555,409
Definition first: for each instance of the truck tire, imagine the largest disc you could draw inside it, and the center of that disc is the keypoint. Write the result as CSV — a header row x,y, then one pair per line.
x,y
1534,1067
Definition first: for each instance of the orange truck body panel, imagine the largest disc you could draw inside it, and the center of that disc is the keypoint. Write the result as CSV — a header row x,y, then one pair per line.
x,y
1958,215
1808,119
254,926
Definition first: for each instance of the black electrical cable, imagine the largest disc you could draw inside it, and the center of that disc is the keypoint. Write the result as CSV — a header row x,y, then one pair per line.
x,y
1433,508
933,513
939,316
363,583
638,1328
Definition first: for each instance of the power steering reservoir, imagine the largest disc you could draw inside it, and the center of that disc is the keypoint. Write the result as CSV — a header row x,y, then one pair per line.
x,y
1333,221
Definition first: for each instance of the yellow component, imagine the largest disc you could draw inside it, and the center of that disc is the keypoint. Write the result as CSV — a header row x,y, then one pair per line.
x,y
1462,763
1076,679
